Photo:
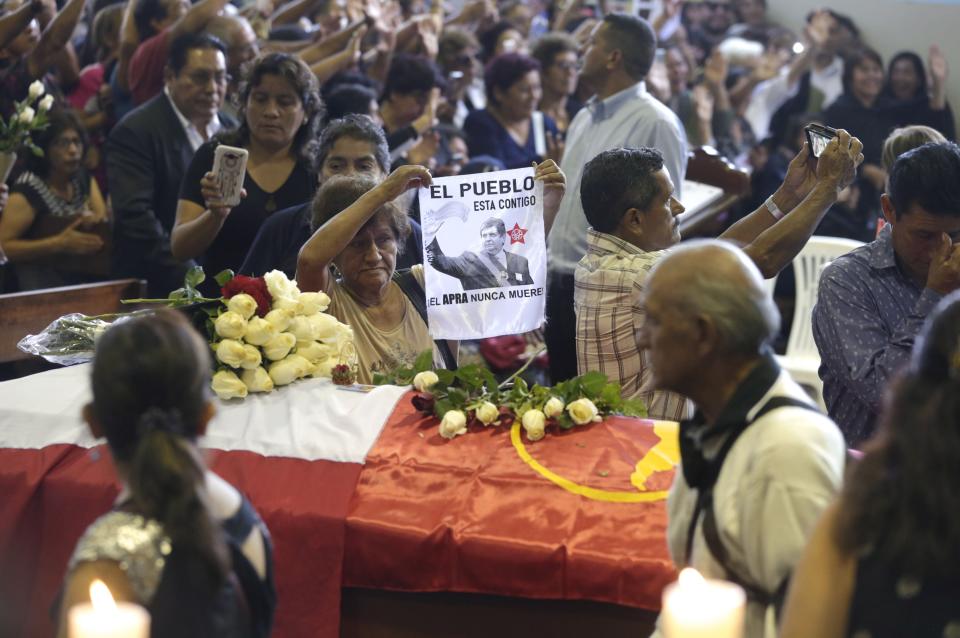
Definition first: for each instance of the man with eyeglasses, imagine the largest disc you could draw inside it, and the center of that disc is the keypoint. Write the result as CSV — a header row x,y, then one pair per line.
x,y
148,153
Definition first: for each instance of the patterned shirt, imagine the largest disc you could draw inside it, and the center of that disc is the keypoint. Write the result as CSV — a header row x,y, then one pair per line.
x,y
608,285
867,316
629,119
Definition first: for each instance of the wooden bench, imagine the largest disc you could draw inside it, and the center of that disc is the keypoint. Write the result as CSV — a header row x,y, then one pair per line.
x,y
23,313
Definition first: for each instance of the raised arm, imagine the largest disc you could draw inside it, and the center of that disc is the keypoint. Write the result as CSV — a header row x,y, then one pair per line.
x,y
330,239
807,193
197,17
54,38
15,22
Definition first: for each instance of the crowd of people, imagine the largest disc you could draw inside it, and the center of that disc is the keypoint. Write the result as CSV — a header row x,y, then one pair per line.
x,y
345,108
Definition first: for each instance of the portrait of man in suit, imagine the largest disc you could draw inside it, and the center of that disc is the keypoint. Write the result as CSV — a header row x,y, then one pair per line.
x,y
492,267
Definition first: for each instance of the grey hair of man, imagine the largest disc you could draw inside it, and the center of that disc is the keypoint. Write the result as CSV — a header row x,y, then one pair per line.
x,y
722,283
356,127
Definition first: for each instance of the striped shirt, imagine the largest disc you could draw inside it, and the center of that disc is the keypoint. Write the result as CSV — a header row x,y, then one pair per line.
x,y
608,286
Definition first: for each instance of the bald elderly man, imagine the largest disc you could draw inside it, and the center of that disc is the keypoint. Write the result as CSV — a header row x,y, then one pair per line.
x,y
759,462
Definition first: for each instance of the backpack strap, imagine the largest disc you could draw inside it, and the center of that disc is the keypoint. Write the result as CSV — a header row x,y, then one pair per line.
x,y
711,533
414,292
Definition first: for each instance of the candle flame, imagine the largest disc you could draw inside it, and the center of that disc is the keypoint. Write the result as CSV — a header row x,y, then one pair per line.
x,y
101,597
690,578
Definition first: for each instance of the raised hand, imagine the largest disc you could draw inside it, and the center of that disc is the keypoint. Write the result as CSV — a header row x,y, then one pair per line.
x,y
944,273
715,70
838,163
403,179
554,183
212,195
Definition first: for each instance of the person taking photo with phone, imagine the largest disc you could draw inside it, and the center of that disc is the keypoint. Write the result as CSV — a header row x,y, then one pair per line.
x,y
281,113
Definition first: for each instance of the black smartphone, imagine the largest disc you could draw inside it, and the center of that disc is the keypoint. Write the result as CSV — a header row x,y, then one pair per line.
x,y
818,136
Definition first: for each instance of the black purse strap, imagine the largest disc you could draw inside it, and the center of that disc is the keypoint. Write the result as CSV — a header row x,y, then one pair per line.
x,y
414,292
711,532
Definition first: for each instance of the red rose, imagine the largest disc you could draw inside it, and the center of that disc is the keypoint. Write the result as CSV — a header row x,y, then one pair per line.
x,y
256,287
423,402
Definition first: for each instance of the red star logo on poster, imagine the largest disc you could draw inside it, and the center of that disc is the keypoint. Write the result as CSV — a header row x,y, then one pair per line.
x,y
517,234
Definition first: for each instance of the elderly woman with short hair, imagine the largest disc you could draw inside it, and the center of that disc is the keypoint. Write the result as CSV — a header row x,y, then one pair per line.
x,y
358,230
510,128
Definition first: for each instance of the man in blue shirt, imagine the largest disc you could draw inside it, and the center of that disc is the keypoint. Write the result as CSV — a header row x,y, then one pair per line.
x,y
621,114
873,301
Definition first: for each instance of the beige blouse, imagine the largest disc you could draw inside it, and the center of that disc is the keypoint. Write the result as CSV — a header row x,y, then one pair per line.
x,y
382,350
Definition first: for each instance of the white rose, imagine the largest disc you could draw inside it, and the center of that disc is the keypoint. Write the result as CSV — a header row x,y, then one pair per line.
x,y
301,328
284,372
454,423
313,351
304,367
344,335
583,411
425,380
231,352
534,422
257,380
293,306
314,302
553,407
36,89
242,304
251,357
259,331
45,104
230,325
228,385
26,115
280,286
324,368
279,318
324,326
487,413
280,346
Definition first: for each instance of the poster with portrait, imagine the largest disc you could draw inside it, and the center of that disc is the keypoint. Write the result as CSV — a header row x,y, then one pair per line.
x,y
484,254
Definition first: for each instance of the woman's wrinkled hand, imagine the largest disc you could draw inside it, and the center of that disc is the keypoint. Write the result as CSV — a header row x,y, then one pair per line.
x,y
403,179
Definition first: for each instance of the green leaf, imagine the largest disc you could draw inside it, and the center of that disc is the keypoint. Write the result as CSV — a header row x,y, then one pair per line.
x,y
223,277
442,406
633,407
179,293
564,421
424,361
592,383
381,379
194,277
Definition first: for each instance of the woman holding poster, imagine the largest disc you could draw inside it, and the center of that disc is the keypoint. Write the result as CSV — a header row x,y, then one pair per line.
x,y
359,231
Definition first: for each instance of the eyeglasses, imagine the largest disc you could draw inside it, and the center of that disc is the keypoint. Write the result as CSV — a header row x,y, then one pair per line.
x,y
566,66
67,142
203,78
464,59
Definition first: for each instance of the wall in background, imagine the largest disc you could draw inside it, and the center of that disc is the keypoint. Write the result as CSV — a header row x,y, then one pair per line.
x,y
890,26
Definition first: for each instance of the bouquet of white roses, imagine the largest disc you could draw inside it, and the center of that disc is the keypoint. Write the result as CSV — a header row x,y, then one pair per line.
x,y
15,132
266,333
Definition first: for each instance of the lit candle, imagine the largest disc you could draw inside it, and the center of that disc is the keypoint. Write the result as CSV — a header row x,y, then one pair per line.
x,y
105,618
698,608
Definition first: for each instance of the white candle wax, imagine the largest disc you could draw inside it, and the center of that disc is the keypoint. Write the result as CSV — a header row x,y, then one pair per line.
x,y
104,618
698,608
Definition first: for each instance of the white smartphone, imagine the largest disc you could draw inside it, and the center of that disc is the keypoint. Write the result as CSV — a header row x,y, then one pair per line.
x,y
230,167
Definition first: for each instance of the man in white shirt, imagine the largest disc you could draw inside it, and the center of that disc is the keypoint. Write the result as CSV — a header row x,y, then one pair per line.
x,y
759,463
148,153
621,114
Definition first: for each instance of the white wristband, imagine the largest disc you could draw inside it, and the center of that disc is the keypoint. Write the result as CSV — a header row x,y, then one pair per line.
x,y
773,208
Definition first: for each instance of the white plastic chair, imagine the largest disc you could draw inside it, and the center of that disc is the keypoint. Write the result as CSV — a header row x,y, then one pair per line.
x,y
802,360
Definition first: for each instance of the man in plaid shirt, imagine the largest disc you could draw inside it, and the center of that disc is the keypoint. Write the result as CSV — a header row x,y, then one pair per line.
x,y
628,199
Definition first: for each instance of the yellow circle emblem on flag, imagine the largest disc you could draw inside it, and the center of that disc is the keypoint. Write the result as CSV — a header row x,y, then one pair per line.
x,y
663,456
